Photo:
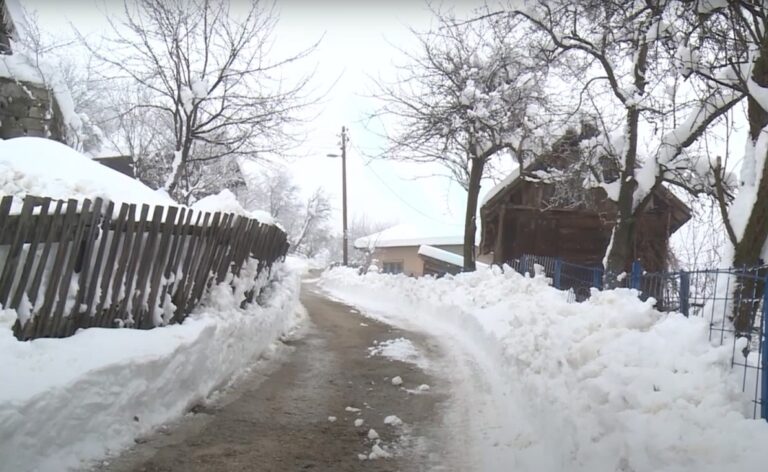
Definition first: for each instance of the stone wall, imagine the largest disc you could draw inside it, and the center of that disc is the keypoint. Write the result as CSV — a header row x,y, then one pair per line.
x,y
25,110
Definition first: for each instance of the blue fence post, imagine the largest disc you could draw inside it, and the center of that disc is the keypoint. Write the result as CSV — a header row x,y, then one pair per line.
x,y
637,271
597,278
558,268
685,292
764,360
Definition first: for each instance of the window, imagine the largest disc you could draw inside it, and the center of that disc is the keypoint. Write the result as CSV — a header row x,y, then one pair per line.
x,y
393,267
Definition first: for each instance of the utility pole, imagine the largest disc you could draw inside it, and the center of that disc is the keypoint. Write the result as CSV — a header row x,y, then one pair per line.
x,y
345,234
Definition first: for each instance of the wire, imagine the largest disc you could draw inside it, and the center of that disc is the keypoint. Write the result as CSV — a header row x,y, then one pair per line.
x,y
383,182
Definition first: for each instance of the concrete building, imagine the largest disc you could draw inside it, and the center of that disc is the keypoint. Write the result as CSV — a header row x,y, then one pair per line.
x,y
396,250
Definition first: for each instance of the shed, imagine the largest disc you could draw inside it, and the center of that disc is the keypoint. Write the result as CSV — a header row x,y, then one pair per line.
x,y
518,219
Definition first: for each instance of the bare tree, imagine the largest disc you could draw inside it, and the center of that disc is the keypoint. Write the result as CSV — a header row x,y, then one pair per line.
x,y
314,233
305,221
625,58
210,76
730,49
360,225
461,100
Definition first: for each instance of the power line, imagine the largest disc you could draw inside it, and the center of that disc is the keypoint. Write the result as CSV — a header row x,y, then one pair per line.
x,y
393,192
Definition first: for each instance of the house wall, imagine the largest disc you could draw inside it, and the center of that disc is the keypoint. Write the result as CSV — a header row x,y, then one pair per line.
x,y
517,225
407,255
413,264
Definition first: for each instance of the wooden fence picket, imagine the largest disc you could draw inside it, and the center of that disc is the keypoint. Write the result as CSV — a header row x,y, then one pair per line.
x,y
161,260
99,234
54,278
123,308
72,250
145,263
77,264
102,311
15,250
38,234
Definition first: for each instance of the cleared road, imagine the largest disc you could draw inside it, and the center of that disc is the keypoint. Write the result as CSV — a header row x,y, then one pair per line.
x,y
276,419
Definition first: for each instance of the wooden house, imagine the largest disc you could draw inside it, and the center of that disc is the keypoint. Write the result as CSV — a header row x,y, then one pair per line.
x,y
518,218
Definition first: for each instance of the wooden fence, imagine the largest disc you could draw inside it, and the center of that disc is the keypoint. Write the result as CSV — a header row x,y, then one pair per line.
x,y
66,265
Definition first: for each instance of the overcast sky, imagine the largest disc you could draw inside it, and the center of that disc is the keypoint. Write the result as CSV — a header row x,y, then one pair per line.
x,y
360,40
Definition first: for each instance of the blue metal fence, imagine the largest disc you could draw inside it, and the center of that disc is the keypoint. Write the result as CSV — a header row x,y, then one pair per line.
x,y
714,294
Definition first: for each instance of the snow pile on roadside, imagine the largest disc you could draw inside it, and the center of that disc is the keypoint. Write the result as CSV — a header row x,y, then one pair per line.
x,y
399,349
47,168
226,201
68,401
608,384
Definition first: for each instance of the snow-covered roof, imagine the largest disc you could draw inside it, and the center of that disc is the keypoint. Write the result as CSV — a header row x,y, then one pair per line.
x,y
445,256
441,255
500,186
410,235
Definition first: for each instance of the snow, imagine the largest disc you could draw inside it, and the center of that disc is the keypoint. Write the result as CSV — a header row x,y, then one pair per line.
x,y
501,186
28,65
378,453
397,380
226,201
372,434
332,419
175,164
607,384
359,422
393,420
750,180
411,235
47,168
352,409
445,256
399,349
708,6
65,402
199,88
441,255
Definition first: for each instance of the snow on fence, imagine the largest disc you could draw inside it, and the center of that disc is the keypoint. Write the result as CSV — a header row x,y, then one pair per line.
x,y
73,264
734,301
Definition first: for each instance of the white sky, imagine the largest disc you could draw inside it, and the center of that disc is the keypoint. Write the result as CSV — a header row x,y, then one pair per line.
x,y
360,40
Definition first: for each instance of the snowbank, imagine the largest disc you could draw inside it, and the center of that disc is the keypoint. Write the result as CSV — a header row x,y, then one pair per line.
x,y
606,385
226,201
47,168
67,401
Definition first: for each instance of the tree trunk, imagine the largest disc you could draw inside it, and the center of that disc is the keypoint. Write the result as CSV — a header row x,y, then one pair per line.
x,y
747,252
470,225
623,236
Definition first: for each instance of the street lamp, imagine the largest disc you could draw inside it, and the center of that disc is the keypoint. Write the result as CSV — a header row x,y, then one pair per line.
x,y
344,234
